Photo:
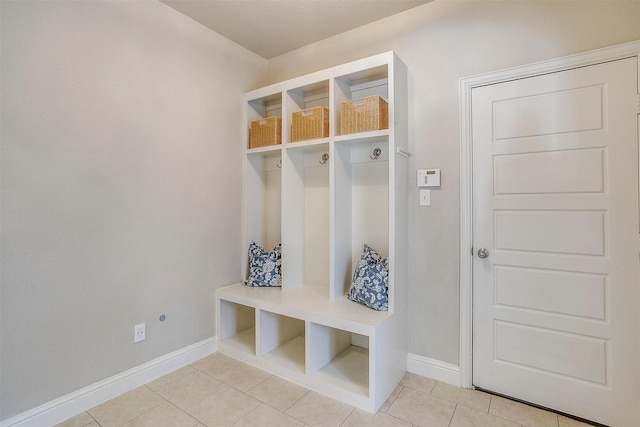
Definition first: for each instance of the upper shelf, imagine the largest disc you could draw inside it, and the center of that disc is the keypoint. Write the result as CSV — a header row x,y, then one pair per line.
x,y
329,89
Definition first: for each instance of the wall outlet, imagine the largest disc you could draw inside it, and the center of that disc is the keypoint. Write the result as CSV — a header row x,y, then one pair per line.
x,y
138,333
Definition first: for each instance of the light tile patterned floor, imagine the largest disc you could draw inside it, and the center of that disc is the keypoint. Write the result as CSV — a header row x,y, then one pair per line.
x,y
220,391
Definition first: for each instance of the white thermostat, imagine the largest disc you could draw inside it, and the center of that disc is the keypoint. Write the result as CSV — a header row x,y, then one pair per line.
x,y
428,177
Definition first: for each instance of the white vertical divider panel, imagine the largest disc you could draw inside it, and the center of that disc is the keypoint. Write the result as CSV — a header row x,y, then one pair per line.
x,y
390,352
308,348
398,219
259,328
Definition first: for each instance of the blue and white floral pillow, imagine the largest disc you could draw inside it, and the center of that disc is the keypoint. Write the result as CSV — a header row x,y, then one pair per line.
x,y
370,281
265,268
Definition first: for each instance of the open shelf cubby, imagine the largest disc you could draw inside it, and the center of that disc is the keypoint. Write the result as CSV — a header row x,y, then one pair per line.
x,y
340,358
325,198
310,95
239,328
261,108
282,340
360,84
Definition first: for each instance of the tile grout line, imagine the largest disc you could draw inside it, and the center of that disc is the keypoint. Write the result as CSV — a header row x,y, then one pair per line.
x,y
386,411
452,415
345,420
150,409
299,399
245,415
184,411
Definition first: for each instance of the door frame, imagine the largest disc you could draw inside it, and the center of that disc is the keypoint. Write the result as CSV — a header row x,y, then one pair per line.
x,y
466,85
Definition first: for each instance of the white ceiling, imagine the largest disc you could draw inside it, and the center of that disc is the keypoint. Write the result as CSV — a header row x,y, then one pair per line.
x,y
273,27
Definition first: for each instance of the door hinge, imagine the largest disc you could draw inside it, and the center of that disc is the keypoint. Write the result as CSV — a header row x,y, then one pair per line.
x,y
638,103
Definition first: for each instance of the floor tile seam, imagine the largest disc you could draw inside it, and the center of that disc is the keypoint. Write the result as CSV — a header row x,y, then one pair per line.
x,y
350,413
420,390
245,415
186,409
353,408
269,377
463,405
430,395
519,424
460,403
136,417
282,412
92,418
149,410
238,363
172,381
194,417
394,399
211,375
304,423
557,418
397,418
242,391
279,410
456,409
452,414
403,419
294,417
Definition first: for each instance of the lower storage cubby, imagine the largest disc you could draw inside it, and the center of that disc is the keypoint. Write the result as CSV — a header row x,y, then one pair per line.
x,y
337,348
340,358
282,341
237,327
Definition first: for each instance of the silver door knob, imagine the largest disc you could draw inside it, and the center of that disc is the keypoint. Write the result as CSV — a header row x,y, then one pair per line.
x,y
483,253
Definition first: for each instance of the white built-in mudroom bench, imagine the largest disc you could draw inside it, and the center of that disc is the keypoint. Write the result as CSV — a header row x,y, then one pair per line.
x,y
323,199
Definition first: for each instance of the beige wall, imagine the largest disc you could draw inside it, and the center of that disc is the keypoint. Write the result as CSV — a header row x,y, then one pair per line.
x,y
441,42
120,188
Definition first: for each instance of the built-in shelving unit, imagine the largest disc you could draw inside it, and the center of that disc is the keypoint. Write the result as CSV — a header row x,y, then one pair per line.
x,y
323,199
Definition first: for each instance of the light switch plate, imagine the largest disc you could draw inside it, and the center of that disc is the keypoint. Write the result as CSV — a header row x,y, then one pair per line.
x,y
425,197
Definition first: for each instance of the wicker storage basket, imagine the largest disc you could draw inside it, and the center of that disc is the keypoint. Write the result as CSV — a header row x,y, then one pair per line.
x,y
265,132
310,124
364,114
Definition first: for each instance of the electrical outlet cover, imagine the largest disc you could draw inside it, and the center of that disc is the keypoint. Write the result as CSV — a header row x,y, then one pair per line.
x,y
138,333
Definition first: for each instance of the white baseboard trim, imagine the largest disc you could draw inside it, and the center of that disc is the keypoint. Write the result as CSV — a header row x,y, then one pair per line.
x,y
434,369
65,407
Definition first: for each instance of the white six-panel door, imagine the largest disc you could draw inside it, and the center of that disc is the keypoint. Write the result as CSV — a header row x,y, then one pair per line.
x,y
555,204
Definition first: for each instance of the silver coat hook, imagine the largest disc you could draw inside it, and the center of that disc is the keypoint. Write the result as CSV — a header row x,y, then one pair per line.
x,y
325,159
376,154
279,164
